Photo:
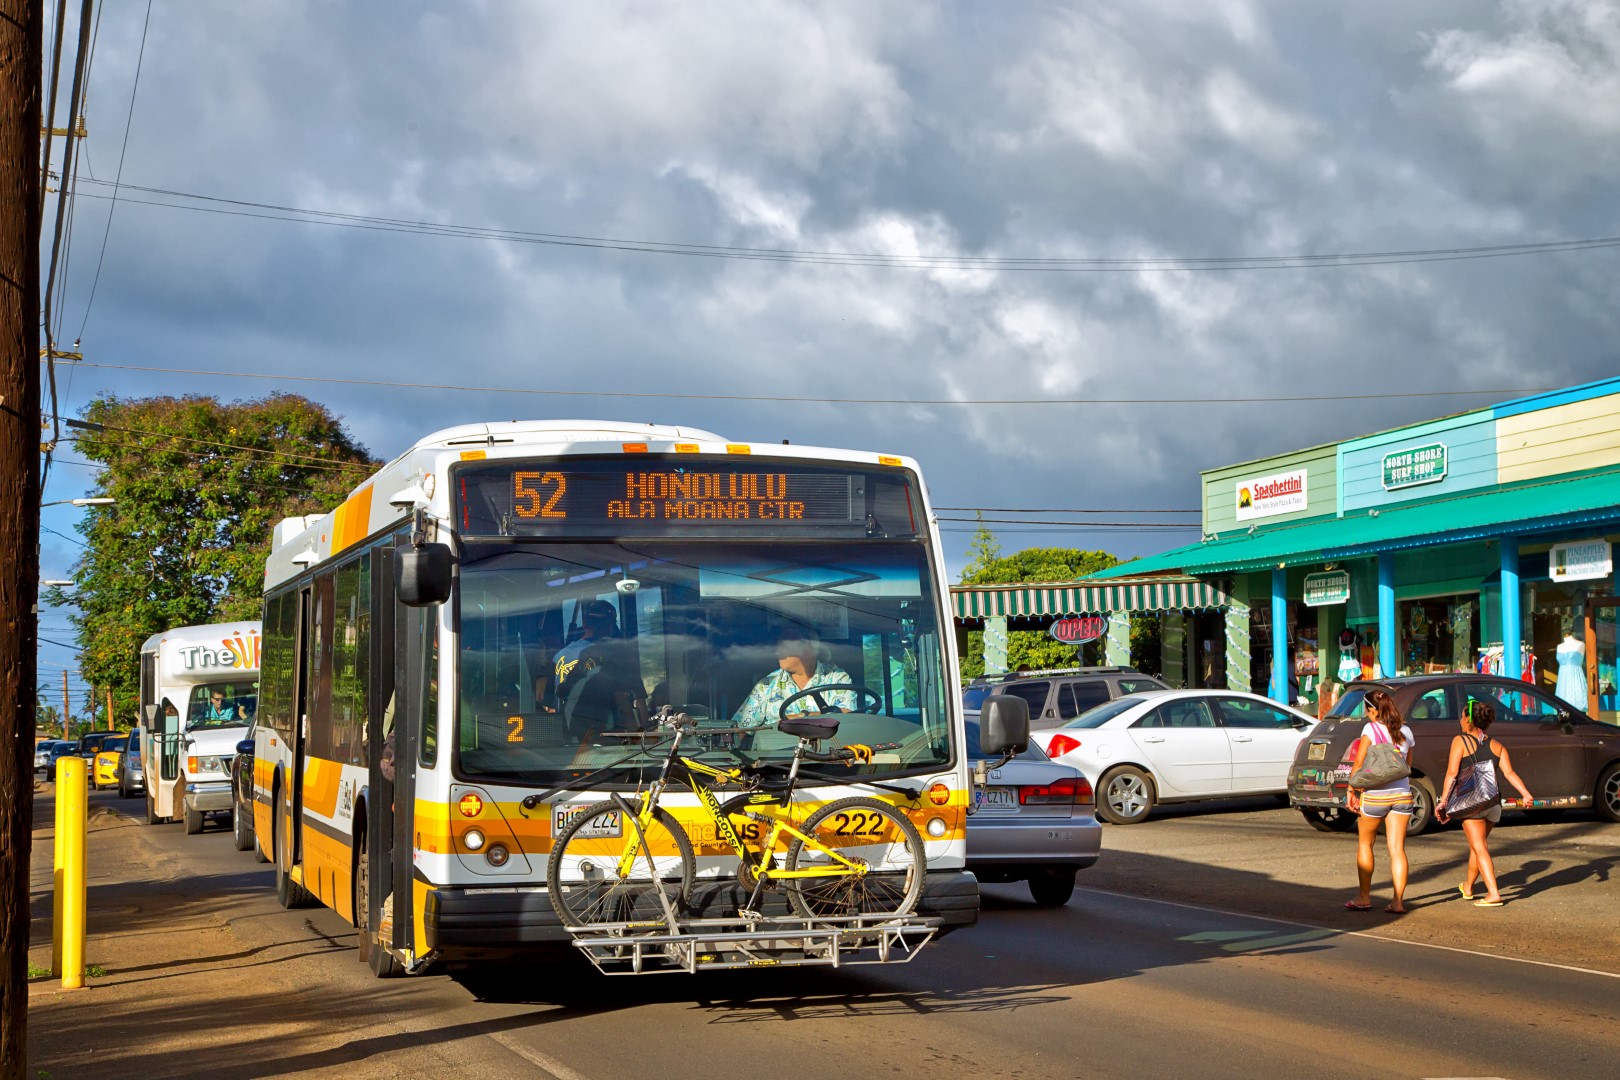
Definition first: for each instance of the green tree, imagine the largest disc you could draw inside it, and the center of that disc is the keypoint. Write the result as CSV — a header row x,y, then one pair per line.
x,y
1030,648
199,484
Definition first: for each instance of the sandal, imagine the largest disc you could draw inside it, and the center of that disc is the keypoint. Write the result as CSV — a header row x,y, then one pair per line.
x,y
1488,903
1393,910
1351,905
1467,893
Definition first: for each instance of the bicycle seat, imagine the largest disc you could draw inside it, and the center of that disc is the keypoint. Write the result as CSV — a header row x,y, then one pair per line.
x,y
809,727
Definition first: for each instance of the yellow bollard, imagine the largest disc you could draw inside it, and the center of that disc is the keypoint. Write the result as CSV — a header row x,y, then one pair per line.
x,y
56,888
73,796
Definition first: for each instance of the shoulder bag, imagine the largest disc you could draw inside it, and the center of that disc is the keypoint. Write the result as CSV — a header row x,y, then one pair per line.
x,y
1474,791
1383,765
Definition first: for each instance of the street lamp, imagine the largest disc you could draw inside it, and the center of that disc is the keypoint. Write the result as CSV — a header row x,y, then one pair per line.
x,y
98,501
60,583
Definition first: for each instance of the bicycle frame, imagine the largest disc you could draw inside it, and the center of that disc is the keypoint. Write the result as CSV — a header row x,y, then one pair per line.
x,y
706,798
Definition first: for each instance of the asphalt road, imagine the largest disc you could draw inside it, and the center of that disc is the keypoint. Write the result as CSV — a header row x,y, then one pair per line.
x,y
1111,984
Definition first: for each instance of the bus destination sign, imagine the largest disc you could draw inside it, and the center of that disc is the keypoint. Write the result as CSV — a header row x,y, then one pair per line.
x,y
563,496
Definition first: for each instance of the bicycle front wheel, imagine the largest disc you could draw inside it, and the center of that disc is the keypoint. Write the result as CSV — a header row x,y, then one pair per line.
x,y
882,843
586,882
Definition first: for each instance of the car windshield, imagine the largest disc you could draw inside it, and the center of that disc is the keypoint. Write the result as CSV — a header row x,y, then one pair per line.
x,y
1031,753
973,697
1101,714
224,704
115,745
562,645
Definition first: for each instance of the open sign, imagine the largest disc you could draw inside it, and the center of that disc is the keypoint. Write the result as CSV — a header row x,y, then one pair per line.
x,y
1077,630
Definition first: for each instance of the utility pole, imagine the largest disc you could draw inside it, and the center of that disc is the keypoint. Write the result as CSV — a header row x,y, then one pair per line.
x,y
110,725
22,24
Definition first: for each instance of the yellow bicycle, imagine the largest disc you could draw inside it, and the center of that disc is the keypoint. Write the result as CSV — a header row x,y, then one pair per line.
x,y
626,860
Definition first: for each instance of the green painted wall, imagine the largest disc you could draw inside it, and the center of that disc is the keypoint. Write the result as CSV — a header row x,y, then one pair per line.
x,y
1321,488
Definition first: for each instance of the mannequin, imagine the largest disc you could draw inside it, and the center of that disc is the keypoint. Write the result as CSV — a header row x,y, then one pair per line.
x,y
1572,670
1349,657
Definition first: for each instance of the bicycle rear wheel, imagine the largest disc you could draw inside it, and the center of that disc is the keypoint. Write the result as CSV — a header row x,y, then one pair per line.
x,y
871,833
583,878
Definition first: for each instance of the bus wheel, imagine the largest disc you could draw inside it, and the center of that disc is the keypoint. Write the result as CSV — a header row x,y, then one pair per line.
x,y
194,821
372,954
289,894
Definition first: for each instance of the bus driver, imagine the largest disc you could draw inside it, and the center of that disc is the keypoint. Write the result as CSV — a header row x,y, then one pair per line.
x,y
801,668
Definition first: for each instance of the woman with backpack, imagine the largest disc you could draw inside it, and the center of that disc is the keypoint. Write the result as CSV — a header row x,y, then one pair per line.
x,y
1472,794
1388,804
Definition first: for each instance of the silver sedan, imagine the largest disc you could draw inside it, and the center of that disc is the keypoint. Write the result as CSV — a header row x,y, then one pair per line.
x,y
1032,822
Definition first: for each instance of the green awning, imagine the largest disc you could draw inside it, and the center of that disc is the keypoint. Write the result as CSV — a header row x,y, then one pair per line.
x,y
1541,506
1058,598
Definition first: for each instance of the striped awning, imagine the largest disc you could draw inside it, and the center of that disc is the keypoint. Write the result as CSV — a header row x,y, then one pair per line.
x,y
1033,599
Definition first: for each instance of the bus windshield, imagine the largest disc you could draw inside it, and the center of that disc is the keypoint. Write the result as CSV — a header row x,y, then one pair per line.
x,y
222,704
563,644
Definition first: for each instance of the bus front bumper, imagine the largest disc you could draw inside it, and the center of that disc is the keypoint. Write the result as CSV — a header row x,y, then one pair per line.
x,y
476,923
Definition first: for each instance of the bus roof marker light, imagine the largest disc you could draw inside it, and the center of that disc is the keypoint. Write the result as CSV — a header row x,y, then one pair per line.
x,y
473,455
686,448
470,805
738,448
634,447
888,459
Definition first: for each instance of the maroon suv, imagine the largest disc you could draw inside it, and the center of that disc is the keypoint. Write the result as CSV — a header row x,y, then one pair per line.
x,y
1566,758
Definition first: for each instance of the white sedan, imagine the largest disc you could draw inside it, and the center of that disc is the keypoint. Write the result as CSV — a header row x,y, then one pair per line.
x,y
1164,746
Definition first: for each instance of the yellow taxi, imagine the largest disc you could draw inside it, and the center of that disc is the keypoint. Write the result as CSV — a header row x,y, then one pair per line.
x,y
105,771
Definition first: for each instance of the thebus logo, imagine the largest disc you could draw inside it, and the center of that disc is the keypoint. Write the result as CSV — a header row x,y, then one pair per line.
x,y
236,651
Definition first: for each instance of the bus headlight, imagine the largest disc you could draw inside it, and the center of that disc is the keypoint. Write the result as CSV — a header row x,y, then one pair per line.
x,y
497,854
472,840
936,827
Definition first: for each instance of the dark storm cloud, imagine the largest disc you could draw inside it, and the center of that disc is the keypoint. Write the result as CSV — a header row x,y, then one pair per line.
x,y
1043,130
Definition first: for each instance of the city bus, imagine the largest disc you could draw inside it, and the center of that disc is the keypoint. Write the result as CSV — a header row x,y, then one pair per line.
x,y
199,692
457,658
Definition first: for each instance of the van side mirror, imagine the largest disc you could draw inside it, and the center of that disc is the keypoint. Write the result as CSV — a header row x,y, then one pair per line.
x,y
245,747
422,575
1004,725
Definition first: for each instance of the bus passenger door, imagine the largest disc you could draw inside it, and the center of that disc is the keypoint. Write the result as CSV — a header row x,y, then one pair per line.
x,y
300,734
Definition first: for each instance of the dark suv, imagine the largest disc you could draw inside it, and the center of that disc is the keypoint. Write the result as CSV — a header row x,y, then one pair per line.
x,y
1058,695
1566,758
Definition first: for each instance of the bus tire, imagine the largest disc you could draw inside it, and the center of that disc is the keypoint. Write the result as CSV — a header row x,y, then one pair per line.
x,y
289,894
382,963
194,821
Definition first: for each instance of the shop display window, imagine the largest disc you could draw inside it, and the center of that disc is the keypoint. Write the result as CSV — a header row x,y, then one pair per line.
x,y
1438,634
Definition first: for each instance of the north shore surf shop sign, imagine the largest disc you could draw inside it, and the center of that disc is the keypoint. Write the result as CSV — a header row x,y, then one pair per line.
x,y
1079,629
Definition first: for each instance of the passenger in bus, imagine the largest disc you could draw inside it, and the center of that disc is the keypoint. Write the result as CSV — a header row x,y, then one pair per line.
x,y
594,679
801,668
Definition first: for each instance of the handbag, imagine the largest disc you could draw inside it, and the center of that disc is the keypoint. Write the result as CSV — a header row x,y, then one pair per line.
x,y
1474,791
1382,766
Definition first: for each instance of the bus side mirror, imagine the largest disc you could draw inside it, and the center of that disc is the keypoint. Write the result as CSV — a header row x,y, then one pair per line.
x,y
1004,725
422,575
151,715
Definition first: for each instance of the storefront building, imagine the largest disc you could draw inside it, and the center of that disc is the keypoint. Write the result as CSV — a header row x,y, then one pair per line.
x,y
1483,541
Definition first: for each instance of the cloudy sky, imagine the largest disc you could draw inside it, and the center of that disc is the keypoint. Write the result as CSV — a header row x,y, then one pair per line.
x,y
943,133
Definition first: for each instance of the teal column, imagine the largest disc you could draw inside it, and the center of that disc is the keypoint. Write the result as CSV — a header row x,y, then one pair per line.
x,y
1512,618
1388,637
1118,644
1278,691
995,645
1239,658
1173,649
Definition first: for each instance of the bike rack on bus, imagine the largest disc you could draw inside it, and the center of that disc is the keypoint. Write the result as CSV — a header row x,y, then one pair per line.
x,y
768,941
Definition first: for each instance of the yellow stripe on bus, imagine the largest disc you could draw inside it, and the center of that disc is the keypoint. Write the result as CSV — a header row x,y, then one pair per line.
x,y
352,522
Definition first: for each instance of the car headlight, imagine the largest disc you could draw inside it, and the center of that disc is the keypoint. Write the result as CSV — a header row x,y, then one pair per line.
x,y
207,763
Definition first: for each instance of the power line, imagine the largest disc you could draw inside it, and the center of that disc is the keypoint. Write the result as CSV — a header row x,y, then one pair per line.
x,y
140,57
298,459
850,258
1086,524
1027,510
806,398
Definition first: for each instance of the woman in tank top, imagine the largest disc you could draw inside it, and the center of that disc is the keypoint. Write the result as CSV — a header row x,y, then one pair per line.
x,y
1477,823
1389,806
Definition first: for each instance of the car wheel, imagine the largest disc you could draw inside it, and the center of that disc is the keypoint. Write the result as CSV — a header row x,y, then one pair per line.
x,y
151,808
194,821
1328,819
1051,888
1422,808
1607,797
241,828
1125,796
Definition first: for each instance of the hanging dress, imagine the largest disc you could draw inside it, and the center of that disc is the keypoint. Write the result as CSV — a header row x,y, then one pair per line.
x,y
1572,674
